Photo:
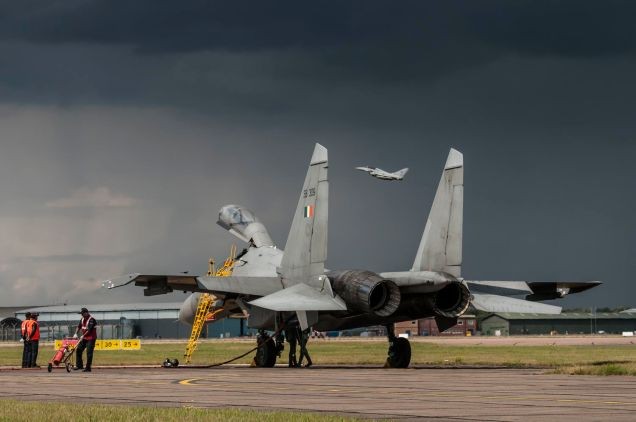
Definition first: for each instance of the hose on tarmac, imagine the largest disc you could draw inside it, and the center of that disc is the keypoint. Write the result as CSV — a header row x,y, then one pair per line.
x,y
261,344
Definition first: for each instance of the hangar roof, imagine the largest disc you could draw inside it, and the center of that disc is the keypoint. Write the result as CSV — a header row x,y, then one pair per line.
x,y
157,310
114,307
9,311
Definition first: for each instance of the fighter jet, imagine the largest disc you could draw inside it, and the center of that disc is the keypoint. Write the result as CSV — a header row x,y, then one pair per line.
x,y
384,175
276,288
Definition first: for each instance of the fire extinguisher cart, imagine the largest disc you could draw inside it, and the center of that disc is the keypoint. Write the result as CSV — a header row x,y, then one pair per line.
x,y
65,354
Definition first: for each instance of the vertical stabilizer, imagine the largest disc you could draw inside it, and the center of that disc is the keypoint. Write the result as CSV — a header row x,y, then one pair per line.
x,y
401,173
306,247
441,245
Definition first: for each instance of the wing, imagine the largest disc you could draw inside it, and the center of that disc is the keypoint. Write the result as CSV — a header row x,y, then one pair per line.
x,y
496,303
542,290
162,284
531,290
504,288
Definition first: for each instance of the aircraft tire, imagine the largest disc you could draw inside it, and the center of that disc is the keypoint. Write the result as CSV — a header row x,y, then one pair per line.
x,y
399,353
266,355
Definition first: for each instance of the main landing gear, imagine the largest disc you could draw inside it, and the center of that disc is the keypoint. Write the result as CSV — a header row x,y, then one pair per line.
x,y
399,350
269,349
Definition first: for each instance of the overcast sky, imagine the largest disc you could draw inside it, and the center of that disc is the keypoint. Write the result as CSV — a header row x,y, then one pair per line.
x,y
125,126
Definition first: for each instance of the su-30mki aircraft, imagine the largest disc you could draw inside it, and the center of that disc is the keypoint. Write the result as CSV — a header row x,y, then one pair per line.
x,y
384,175
277,289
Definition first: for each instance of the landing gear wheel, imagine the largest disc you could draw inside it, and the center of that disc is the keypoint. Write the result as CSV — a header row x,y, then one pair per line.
x,y
399,353
68,367
50,367
266,353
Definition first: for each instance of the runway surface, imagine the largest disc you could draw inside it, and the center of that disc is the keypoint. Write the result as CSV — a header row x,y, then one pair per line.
x,y
440,394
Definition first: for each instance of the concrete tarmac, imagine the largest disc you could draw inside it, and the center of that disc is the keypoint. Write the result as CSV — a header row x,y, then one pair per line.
x,y
403,394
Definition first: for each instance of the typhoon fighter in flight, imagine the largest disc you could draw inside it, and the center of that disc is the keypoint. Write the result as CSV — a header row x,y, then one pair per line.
x,y
384,175
273,288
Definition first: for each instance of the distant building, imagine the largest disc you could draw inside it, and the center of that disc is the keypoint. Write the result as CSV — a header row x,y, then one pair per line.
x,y
428,327
144,320
566,323
9,324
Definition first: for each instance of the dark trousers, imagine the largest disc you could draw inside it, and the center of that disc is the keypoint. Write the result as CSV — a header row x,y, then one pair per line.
x,y
89,345
26,354
35,344
292,340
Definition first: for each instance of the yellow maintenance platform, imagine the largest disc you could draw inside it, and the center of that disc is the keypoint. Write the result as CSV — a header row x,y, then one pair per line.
x,y
206,300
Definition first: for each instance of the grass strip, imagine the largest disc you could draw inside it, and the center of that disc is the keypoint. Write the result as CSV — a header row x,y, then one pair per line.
x,y
595,360
21,411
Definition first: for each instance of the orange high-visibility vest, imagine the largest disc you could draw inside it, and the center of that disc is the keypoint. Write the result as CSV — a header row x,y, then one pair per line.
x,y
35,330
25,327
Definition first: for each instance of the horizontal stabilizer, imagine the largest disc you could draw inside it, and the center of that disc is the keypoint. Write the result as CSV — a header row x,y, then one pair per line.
x,y
495,303
245,285
300,297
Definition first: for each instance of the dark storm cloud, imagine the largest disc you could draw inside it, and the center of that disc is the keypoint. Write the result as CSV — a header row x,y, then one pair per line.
x,y
72,258
181,106
416,27
239,57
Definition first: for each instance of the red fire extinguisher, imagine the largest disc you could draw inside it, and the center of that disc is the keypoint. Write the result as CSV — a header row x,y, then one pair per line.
x,y
59,355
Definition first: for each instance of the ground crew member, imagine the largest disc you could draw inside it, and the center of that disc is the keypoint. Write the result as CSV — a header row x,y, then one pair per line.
x,y
292,339
303,338
24,332
88,330
35,341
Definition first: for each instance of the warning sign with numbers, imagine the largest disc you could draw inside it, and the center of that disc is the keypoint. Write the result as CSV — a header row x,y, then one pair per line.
x,y
133,344
128,344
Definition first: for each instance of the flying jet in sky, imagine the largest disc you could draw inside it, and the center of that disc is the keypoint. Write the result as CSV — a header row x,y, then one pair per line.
x,y
274,288
384,175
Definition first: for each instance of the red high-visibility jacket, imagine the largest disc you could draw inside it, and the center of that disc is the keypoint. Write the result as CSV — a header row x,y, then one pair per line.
x,y
87,327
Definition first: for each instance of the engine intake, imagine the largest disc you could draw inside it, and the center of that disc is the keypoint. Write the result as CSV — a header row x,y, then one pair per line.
x,y
366,291
452,301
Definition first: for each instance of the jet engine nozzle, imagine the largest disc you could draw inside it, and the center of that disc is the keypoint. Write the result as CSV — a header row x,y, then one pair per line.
x,y
366,291
242,223
452,301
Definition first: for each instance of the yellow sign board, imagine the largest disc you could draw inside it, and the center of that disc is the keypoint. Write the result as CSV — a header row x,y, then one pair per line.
x,y
127,344
132,344
107,345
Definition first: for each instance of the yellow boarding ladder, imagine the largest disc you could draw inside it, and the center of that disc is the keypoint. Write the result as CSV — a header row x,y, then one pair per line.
x,y
205,302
